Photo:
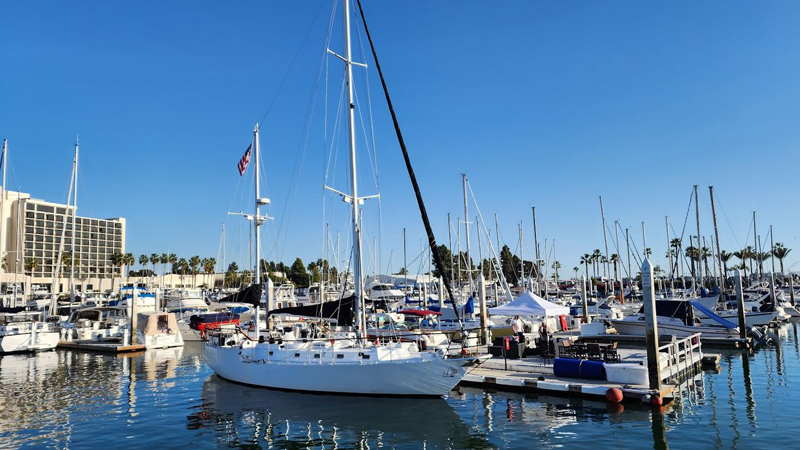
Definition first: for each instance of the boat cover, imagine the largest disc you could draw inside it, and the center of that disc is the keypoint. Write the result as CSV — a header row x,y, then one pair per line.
x,y
250,294
341,310
710,314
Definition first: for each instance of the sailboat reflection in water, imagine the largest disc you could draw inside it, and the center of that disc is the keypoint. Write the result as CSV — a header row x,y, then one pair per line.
x,y
250,415
327,364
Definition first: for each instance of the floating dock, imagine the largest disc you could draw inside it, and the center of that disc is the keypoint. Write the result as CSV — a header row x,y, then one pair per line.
x,y
679,361
715,342
104,347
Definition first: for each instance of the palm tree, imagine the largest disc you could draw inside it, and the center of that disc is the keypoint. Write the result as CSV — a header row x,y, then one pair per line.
x,y
781,252
749,253
128,260
208,265
154,259
66,261
576,269
556,266
585,260
614,261
31,265
164,260
725,257
595,257
182,267
116,261
144,260
194,264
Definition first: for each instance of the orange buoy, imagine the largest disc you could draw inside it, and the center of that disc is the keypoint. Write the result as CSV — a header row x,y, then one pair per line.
x,y
656,400
614,395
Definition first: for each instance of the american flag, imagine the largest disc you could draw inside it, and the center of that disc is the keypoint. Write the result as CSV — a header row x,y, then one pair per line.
x,y
245,160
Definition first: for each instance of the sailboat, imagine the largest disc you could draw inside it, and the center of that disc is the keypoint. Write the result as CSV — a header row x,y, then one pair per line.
x,y
342,366
20,330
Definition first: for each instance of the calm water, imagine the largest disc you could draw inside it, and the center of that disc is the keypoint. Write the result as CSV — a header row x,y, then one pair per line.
x,y
170,399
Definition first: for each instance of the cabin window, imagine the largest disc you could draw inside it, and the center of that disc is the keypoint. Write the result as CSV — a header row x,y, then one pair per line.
x,y
270,353
316,355
364,356
297,355
340,356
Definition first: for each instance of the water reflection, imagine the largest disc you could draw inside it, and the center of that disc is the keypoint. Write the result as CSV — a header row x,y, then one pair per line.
x,y
169,398
242,416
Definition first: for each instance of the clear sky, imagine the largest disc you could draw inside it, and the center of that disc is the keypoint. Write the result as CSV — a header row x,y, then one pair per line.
x,y
541,103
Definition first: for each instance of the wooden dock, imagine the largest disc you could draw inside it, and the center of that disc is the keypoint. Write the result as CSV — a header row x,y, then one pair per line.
x,y
104,347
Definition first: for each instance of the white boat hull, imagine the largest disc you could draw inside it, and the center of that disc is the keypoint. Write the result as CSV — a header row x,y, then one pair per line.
x,y
44,340
752,319
433,377
636,328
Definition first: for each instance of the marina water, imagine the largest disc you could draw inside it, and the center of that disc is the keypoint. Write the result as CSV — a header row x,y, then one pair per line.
x,y
171,399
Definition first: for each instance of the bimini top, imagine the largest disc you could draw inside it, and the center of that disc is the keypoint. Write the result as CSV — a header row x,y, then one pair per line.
x,y
529,304
157,323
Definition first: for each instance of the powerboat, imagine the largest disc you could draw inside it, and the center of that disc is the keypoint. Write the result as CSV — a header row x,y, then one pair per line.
x,y
23,331
158,330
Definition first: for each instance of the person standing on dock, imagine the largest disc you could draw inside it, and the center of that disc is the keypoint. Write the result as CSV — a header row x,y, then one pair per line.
x,y
518,328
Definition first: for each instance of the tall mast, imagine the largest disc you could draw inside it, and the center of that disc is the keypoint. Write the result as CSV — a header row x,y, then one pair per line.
x,y
257,218
605,236
722,275
538,256
618,262
57,265
669,254
450,243
405,265
522,256
628,245
355,200
755,241
699,246
3,212
466,235
72,241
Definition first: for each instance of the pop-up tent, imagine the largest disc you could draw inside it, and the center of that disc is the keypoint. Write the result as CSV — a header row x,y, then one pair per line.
x,y
529,304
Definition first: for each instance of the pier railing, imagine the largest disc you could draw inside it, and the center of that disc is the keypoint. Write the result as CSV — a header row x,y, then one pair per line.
x,y
682,357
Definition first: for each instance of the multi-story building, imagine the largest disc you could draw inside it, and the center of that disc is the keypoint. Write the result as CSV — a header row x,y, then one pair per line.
x,y
34,230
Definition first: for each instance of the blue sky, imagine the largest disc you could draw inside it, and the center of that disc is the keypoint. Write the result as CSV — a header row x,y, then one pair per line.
x,y
541,103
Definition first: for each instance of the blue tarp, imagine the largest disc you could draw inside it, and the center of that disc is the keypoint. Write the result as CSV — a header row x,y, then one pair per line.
x,y
710,314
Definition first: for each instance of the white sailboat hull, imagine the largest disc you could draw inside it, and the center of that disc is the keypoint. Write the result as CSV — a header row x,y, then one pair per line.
x,y
431,377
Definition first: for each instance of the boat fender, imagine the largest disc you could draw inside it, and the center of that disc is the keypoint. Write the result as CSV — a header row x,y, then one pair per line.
x,y
614,395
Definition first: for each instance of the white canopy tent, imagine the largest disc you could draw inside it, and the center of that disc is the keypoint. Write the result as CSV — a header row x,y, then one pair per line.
x,y
529,304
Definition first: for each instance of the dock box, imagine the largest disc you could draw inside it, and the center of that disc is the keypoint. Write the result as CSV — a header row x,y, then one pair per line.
x,y
627,373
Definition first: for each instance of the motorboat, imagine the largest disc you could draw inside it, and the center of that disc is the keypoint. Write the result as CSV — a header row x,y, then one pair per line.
x,y
677,318
101,323
24,331
158,330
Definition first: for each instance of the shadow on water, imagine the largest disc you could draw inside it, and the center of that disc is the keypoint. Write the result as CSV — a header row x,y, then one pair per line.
x,y
247,417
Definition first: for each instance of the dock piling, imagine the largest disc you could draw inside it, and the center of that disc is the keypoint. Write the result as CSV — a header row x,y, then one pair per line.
x,y
651,326
737,280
